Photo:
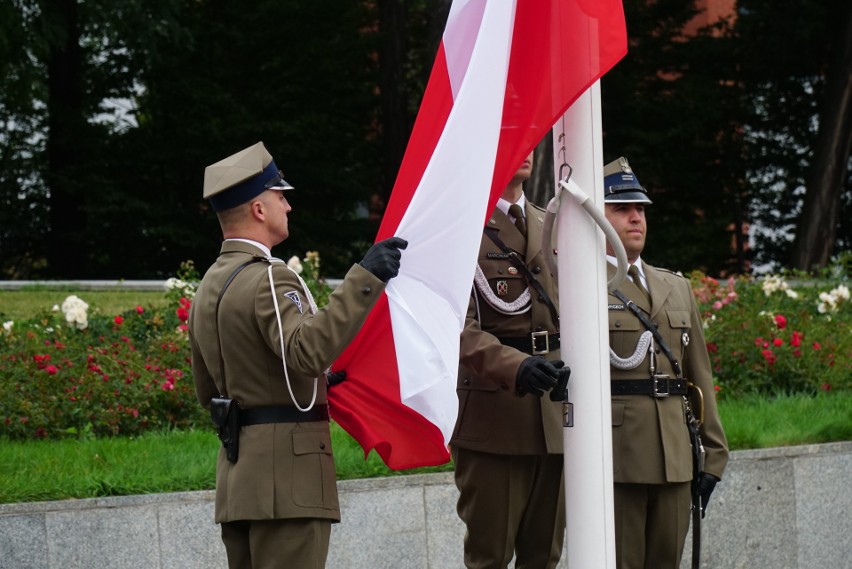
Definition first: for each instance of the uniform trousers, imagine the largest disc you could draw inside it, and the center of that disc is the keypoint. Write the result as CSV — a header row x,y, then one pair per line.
x,y
651,522
277,544
510,504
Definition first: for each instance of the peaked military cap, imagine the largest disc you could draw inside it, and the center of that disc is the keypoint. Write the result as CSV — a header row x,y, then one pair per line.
x,y
621,184
241,177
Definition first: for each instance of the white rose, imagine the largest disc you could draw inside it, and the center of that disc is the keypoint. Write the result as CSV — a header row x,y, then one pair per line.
x,y
295,264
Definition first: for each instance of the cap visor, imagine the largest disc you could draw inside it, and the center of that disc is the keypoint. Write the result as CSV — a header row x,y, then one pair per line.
x,y
627,197
279,184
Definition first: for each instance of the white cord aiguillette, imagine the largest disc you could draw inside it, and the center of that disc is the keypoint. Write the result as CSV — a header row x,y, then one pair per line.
x,y
643,347
313,307
518,306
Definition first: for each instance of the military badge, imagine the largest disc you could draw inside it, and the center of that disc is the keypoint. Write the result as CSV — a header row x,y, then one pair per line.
x,y
513,270
615,306
294,296
685,339
502,288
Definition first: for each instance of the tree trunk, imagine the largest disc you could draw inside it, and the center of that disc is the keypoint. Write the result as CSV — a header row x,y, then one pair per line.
x,y
815,237
392,86
65,128
540,187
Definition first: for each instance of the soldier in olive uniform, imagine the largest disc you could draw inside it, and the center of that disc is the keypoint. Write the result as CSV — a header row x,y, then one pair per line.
x,y
652,454
507,442
257,338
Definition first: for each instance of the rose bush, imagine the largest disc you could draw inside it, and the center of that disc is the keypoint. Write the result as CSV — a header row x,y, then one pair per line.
x,y
777,334
73,371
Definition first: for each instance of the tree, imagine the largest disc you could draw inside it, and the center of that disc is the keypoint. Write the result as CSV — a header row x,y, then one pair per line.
x,y
410,33
671,109
815,238
67,135
283,73
23,197
72,57
783,52
720,133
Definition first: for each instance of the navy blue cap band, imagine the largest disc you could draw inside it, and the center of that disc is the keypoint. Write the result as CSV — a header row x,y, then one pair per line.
x,y
624,187
244,191
621,181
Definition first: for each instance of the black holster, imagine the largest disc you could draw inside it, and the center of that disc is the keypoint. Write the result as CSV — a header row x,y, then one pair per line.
x,y
225,413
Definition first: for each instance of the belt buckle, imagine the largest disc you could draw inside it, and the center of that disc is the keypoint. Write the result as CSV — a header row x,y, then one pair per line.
x,y
534,336
659,379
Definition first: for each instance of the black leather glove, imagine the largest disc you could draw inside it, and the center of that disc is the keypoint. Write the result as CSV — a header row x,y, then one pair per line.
x,y
706,485
537,375
335,377
560,392
382,259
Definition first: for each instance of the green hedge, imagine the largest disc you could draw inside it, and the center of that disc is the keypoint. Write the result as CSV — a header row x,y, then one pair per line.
x,y
69,371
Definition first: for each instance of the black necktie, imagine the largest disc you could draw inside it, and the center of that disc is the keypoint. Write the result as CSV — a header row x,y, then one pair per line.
x,y
516,212
633,271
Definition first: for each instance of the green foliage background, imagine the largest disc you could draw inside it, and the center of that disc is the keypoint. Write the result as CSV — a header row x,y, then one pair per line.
x,y
111,111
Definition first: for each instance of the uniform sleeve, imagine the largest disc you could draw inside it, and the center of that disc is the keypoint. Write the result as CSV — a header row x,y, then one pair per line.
x,y
699,371
482,352
313,341
205,388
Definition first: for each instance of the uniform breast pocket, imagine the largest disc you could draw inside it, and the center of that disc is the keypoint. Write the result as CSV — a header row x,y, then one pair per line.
x,y
313,470
504,277
679,322
624,332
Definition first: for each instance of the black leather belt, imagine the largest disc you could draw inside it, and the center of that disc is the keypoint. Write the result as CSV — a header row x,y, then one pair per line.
x,y
537,343
655,387
261,415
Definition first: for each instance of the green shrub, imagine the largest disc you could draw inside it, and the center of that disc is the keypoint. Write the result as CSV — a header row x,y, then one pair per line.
x,y
76,372
778,334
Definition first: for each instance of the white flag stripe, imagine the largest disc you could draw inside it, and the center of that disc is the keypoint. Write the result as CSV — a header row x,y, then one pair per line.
x,y
443,225
459,38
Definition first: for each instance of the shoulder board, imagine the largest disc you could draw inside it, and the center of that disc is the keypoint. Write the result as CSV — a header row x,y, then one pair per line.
x,y
536,206
671,272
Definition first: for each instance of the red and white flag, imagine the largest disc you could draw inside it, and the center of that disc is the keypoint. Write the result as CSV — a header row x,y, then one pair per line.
x,y
504,72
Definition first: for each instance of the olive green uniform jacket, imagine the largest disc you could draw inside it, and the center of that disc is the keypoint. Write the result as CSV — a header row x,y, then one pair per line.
x,y
650,440
284,470
492,418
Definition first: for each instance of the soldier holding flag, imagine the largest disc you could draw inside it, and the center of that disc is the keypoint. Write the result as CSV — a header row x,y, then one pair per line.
x,y
507,443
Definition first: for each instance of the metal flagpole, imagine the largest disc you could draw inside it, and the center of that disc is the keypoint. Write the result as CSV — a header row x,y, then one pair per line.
x,y
581,262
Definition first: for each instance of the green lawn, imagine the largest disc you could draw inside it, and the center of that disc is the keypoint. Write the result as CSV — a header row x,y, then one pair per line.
x,y
23,304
